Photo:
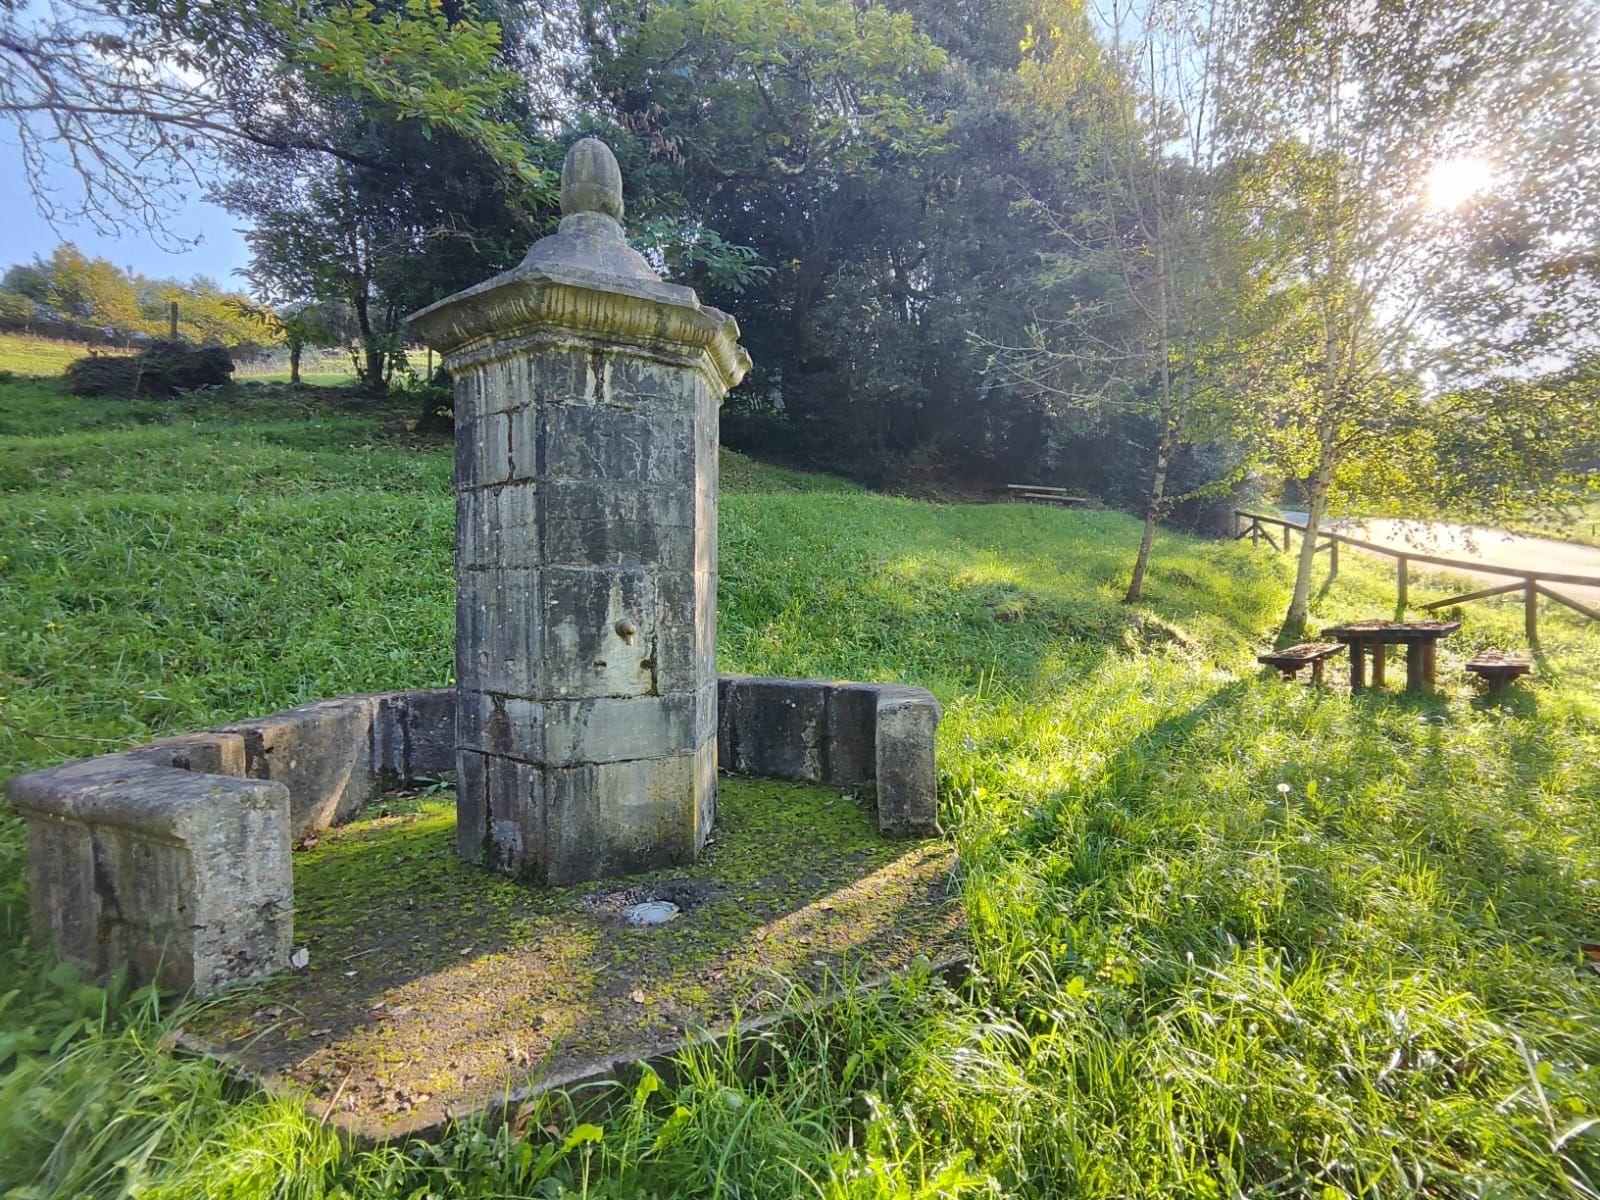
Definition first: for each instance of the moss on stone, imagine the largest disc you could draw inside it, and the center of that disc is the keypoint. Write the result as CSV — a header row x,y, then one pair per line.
x,y
434,987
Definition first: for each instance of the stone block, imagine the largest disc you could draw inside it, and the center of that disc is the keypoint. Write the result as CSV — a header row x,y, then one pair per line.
x,y
472,806
851,757
388,749
508,726
321,752
498,633
588,443
907,777
636,380
686,653
487,449
705,784
516,831
208,753
773,727
615,729
413,734
183,876
497,527
619,818
585,613
430,731
563,372
601,523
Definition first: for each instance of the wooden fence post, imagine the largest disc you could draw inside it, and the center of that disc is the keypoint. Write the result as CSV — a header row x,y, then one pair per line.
x,y
1333,559
1530,610
172,321
1402,582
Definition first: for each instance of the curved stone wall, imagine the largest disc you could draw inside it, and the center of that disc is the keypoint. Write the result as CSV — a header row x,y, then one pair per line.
x,y
175,858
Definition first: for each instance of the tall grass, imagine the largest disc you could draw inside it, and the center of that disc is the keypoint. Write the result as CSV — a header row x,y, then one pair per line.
x,y
1230,936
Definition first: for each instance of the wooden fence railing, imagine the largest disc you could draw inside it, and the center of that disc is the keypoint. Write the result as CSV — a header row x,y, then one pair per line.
x,y
1532,584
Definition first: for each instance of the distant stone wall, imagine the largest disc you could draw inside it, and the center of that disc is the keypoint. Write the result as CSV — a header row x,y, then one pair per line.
x,y
175,858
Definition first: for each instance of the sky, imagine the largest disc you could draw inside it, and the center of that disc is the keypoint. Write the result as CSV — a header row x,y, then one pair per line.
x,y
25,234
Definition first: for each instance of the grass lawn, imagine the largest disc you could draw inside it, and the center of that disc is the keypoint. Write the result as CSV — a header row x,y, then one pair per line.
x,y
1231,937
36,357
1582,525
23,354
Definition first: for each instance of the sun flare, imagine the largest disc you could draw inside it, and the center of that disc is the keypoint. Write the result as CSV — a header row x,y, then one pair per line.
x,y
1454,181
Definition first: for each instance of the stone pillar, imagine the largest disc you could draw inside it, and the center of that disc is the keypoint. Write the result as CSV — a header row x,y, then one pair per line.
x,y
587,393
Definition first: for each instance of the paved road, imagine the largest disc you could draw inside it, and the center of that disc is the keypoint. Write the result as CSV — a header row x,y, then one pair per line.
x,y
1480,544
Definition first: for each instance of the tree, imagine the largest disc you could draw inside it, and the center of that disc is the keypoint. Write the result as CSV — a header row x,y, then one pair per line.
x,y
869,154
93,297
138,96
1344,114
1154,317
422,215
297,327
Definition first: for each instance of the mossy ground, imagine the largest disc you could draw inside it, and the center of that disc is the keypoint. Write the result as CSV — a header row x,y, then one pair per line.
x,y
434,988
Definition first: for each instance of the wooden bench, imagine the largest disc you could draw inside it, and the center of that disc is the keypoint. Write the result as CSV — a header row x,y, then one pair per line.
x,y
1292,659
1499,668
1038,493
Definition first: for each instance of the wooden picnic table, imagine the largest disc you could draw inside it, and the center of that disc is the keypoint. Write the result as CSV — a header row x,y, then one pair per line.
x,y
1420,638
1039,493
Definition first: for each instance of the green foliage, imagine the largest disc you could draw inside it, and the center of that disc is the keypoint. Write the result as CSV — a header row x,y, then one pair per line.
x,y
1231,936
136,97
72,291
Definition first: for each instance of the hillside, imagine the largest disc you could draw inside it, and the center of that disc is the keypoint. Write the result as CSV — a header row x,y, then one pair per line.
x,y
1230,936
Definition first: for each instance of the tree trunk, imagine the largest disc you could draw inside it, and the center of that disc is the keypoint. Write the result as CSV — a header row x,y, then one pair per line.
x,y
1152,514
372,355
1294,624
1169,426
294,365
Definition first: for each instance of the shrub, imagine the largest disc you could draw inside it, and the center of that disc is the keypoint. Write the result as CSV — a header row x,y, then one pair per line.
x,y
161,369
103,375
168,367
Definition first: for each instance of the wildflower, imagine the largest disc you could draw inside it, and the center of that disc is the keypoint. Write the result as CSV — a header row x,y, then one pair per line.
x,y
1284,789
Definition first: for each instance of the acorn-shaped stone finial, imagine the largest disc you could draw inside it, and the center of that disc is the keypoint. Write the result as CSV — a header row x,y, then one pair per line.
x,y
591,181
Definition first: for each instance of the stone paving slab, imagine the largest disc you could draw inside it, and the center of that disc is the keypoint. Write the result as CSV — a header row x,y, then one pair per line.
x,y
436,990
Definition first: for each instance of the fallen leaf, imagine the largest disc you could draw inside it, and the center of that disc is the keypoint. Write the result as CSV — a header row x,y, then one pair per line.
x,y
637,995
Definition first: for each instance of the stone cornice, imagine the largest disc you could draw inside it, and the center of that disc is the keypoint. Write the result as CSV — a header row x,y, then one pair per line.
x,y
571,300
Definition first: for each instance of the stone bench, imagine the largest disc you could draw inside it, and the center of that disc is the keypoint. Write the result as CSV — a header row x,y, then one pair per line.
x,y
185,877
839,734
1291,660
175,857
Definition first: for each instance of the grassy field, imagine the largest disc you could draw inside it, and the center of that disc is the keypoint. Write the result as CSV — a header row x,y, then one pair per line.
x,y
1231,937
22,354
1582,525
35,357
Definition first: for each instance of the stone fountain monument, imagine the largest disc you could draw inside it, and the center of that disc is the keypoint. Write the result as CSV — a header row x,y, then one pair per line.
x,y
587,397
587,721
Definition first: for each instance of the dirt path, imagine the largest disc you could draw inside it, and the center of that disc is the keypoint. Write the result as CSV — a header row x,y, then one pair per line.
x,y
1479,544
